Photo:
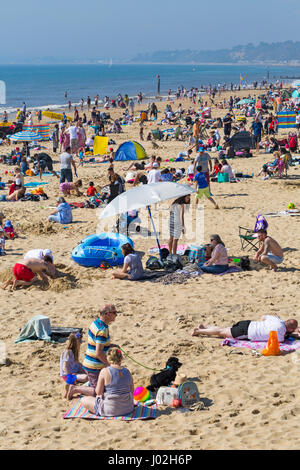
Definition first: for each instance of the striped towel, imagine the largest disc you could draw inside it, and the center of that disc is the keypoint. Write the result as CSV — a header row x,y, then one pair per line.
x,y
140,412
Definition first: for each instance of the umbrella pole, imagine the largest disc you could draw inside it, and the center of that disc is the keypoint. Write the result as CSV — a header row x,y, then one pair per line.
x,y
158,244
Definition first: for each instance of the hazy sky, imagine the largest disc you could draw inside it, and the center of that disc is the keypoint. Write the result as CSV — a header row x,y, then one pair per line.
x,y
119,28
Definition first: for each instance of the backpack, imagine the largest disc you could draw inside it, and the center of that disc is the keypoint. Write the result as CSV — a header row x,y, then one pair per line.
x,y
245,263
154,263
188,394
173,262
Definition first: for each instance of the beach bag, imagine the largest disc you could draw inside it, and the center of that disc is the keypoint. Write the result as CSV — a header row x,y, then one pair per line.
x,y
154,263
188,394
166,395
173,262
245,263
197,254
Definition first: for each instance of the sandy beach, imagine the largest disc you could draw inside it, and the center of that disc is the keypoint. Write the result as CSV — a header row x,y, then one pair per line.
x,y
251,402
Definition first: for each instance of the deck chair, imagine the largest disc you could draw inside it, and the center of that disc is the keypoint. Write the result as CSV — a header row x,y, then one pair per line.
x,y
203,133
248,240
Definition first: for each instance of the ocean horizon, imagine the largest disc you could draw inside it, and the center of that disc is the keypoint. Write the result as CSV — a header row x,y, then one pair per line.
x,y
44,86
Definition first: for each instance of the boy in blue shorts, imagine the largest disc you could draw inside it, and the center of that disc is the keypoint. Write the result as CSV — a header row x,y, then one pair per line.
x,y
202,186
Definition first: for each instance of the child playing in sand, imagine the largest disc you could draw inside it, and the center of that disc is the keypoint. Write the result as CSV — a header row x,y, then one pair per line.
x,y
71,369
67,187
91,190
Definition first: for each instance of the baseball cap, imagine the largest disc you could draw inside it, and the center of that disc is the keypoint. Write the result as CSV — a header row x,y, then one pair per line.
x,y
201,149
155,165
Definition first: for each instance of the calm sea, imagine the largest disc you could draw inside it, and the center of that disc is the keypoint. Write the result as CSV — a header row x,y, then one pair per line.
x,y
43,86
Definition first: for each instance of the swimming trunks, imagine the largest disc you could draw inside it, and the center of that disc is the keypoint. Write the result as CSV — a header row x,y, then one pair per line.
x,y
22,273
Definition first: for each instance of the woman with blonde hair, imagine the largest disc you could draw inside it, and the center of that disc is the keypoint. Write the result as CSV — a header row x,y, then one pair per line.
x,y
114,390
218,263
71,370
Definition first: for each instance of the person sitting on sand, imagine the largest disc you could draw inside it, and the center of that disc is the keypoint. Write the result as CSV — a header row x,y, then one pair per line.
x,y
67,187
26,271
63,213
218,263
114,390
15,196
132,262
252,330
270,252
98,345
69,362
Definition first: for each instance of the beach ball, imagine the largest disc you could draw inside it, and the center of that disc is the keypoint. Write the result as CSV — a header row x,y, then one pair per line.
x,y
5,172
141,394
291,205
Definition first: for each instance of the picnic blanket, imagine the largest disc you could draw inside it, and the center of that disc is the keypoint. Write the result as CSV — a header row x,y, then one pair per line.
x,y
180,249
290,344
140,412
34,184
183,275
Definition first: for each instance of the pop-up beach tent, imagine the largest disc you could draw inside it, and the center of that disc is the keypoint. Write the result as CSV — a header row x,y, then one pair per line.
x,y
130,150
242,140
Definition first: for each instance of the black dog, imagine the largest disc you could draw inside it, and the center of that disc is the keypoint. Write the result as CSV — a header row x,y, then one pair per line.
x,y
166,376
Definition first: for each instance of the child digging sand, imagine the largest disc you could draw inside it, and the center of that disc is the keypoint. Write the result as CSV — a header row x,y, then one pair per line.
x,y
71,370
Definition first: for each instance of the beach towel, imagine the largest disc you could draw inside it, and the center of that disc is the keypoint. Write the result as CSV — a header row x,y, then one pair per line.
x,y
140,412
291,212
34,184
289,345
180,249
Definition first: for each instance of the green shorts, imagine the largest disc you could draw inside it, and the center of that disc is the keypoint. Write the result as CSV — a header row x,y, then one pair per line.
x,y
203,192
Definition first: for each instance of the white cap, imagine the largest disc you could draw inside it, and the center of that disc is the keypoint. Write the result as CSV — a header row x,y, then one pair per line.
x,y
155,165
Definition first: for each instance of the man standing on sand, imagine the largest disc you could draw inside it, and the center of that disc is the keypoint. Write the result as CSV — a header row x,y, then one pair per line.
x,y
252,330
26,271
270,252
98,345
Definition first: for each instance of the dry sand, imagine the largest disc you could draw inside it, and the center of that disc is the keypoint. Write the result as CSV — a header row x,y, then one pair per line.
x,y
252,402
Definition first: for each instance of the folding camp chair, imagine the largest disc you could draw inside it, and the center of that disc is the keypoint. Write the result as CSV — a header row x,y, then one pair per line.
x,y
248,240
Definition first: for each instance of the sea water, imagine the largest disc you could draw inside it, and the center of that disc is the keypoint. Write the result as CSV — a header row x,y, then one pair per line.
x,y
44,86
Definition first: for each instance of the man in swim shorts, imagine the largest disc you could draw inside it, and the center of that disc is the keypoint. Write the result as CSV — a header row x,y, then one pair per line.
x,y
252,330
270,252
26,271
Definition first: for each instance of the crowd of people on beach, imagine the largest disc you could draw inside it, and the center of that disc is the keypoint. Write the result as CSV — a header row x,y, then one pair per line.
x,y
110,385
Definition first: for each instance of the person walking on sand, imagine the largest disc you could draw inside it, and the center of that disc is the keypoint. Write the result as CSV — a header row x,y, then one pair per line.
x,y
98,345
270,252
26,271
251,330
202,186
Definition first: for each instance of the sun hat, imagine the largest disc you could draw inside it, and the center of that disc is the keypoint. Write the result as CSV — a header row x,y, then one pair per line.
x,y
180,379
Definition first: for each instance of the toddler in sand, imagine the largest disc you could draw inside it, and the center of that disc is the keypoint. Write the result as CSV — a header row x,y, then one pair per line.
x,y
71,370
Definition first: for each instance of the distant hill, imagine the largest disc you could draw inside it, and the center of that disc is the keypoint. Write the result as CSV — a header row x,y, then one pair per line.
x,y
278,52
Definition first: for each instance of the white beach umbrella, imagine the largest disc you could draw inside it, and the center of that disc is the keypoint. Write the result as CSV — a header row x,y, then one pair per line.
x,y
145,196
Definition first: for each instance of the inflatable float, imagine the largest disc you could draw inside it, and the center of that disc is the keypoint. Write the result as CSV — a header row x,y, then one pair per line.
x,y
53,115
95,249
